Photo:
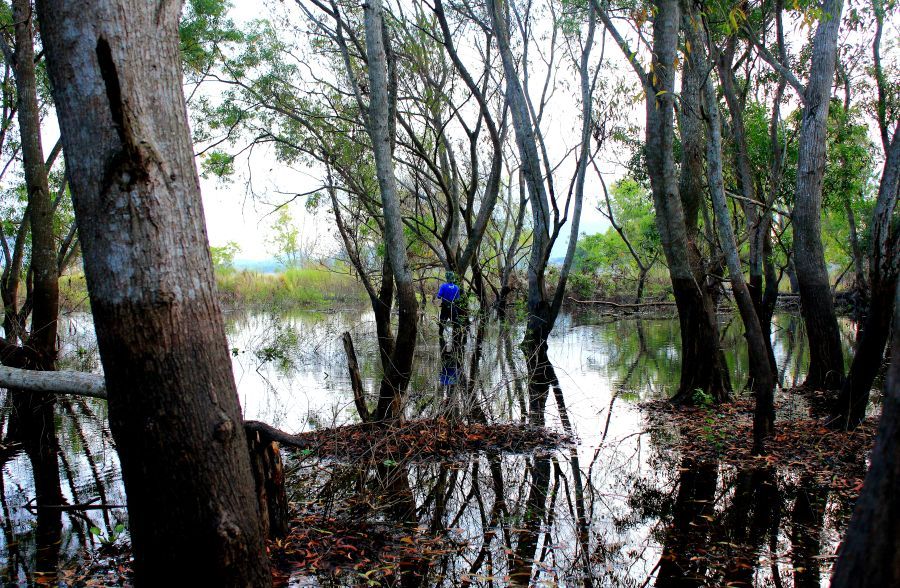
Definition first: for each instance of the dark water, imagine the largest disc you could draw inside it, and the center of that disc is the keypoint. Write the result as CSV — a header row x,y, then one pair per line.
x,y
620,508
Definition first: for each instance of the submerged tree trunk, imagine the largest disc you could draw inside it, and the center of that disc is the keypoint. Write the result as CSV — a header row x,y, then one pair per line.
x,y
379,124
173,406
869,557
702,360
826,361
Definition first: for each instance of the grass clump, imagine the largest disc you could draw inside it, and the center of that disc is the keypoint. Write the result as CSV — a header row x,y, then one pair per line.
x,y
307,286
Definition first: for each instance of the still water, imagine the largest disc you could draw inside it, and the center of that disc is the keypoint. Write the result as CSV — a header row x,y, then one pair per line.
x,y
619,508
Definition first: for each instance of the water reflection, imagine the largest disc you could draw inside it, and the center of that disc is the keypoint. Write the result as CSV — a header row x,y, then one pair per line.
x,y
617,509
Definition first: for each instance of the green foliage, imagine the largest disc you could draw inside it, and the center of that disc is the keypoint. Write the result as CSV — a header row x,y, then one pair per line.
x,y
204,28
223,257
581,285
606,255
280,347
107,541
703,398
217,164
849,173
285,240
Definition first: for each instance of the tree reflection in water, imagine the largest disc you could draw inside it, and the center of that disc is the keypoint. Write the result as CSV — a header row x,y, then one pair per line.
x,y
620,508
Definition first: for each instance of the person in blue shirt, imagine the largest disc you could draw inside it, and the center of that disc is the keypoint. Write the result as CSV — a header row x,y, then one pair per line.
x,y
449,294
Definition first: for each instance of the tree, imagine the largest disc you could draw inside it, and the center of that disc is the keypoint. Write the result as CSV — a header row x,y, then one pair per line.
x,y
629,210
173,406
884,260
761,370
380,126
869,556
285,240
223,257
677,199
826,367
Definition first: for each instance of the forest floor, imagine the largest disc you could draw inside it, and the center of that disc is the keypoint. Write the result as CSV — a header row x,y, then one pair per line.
x,y
426,438
834,459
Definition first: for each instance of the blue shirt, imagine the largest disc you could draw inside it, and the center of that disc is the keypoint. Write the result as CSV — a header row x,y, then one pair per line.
x,y
448,292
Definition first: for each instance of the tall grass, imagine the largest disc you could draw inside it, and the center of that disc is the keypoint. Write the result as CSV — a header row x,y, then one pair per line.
x,y
309,286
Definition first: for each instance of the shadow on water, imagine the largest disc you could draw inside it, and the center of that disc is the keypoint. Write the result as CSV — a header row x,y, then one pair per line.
x,y
619,508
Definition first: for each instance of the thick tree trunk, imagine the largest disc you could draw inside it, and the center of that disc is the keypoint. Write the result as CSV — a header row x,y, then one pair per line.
x,y
826,361
380,126
884,265
173,407
703,364
869,556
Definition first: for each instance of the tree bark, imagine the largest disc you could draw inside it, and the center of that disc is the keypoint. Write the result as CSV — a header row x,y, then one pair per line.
x,y
884,265
761,376
379,124
868,557
703,364
34,416
826,360
173,408
268,474
45,310
56,382
359,394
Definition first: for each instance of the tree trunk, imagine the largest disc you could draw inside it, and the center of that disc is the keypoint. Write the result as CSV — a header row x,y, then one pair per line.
x,y
884,264
703,364
34,421
826,361
380,125
45,296
173,408
869,556
268,474
359,393
761,376
533,176
858,260
757,222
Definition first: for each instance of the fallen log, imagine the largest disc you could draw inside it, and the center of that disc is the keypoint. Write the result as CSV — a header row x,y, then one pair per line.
x,y
62,382
622,304
269,433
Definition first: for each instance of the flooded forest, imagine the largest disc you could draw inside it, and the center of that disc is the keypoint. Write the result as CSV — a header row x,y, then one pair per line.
x,y
553,293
